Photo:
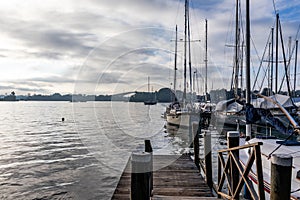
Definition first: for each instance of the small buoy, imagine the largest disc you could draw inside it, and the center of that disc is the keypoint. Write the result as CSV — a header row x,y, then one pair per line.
x,y
63,119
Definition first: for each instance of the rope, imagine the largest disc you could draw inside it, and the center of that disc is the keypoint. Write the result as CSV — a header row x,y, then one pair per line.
x,y
269,156
295,190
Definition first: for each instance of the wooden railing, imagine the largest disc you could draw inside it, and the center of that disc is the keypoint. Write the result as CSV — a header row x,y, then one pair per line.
x,y
237,178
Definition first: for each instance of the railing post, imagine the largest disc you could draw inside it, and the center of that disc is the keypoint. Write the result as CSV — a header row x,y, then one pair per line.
x,y
207,158
219,174
259,173
233,140
196,144
281,173
148,149
140,183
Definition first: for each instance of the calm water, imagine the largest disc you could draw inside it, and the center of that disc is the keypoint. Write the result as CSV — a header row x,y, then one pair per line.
x,y
42,157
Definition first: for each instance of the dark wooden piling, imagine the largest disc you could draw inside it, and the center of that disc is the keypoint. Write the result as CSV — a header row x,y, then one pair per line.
x,y
196,144
208,158
148,149
140,180
281,173
233,140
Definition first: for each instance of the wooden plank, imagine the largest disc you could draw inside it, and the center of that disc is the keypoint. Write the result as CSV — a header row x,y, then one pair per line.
x,y
162,197
182,191
179,180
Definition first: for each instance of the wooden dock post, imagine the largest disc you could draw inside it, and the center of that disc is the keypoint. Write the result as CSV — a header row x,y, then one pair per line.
x,y
140,183
148,149
196,144
207,158
233,140
191,138
281,173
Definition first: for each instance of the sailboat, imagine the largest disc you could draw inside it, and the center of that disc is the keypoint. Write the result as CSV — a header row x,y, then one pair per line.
x,y
270,145
182,113
151,101
285,100
230,112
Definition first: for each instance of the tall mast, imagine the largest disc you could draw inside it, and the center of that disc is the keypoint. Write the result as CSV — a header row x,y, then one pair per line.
x,y
285,63
148,83
295,70
206,60
248,85
189,45
241,73
269,70
236,60
276,62
185,39
289,55
272,58
175,63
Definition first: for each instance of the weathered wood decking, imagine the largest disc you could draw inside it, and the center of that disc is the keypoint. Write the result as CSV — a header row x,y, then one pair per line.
x,y
179,180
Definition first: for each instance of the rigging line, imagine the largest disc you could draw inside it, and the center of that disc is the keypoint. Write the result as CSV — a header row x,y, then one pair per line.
x,y
288,65
274,7
195,17
269,156
264,77
295,190
177,13
261,62
284,58
229,31
297,32
253,44
241,21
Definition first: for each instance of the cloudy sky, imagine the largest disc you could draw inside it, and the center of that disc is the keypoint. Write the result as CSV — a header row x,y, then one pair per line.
x,y
111,46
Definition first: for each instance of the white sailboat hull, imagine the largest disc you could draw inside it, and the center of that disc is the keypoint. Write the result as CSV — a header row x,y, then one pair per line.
x,y
182,119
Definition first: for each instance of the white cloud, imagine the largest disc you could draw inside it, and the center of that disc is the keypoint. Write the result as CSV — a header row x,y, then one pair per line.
x,y
45,39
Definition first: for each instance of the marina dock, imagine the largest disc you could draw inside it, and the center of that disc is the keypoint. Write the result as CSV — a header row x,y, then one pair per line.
x,y
179,180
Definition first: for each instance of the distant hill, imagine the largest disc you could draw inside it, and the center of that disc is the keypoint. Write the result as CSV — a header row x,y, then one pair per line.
x,y
163,95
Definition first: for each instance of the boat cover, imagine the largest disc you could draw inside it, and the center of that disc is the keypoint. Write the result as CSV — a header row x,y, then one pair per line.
x,y
231,105
254,115
283,100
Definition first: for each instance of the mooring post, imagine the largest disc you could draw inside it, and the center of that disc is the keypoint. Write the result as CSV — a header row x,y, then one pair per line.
x,y
233,140
196,144
148,149
191,141
140,183
207,158
281,173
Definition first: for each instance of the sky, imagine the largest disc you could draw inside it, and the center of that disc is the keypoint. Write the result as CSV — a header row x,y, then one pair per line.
x,y
111,46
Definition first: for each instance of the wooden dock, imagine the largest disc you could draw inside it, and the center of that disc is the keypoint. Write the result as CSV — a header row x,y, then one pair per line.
x,y
180,179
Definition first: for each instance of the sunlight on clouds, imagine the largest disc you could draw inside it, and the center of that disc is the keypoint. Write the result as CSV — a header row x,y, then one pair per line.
x,y
52,40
